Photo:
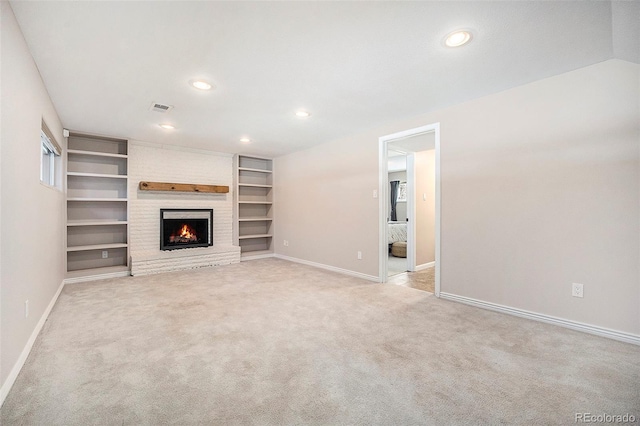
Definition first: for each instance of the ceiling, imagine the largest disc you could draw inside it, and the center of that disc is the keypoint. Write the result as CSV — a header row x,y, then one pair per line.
x,y
353,65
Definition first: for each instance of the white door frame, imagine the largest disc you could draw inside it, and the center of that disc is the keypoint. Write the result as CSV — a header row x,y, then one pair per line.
x,y
411,212
383,192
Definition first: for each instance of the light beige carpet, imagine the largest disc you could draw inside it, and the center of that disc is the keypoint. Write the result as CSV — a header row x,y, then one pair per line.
x,y
272,342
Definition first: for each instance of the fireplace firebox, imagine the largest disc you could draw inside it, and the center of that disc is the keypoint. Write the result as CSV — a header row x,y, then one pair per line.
x,y
185,228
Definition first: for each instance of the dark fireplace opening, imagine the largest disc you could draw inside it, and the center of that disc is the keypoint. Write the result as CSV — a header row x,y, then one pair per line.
x,y
185,228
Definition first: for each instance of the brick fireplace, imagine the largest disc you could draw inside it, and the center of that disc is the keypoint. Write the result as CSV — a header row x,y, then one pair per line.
x,y
150,162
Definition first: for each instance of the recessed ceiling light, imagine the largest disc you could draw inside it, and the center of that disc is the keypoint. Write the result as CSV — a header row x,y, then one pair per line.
x,y
245,140
302,114
167,126
457,38
201,84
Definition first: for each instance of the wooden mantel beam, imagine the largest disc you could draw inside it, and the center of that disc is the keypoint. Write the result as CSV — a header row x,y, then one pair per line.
x,y
182,187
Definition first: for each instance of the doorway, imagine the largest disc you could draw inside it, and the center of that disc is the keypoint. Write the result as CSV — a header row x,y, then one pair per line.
x,y
418,150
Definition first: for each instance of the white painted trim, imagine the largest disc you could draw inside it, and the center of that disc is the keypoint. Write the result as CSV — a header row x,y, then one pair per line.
x,y
13,375
329,268
438,211
178,148
574,325
425,266
96,277
244,258
411,212
383,239
404,169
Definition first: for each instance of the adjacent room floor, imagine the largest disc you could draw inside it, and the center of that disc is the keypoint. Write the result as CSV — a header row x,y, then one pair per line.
x,y
424,280
274,342
396,265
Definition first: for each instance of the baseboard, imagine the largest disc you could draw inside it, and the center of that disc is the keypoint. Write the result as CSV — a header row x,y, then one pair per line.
x,y
425,266
244,258
13,375
586,328
329,268
96,277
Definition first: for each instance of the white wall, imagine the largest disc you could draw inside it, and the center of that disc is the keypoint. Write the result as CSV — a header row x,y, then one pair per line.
x,y
398,162
324,204
32,228
540,188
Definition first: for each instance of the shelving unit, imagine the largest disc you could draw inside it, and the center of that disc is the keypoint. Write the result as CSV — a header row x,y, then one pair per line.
x,y
253,209
96,222
97,213
96,175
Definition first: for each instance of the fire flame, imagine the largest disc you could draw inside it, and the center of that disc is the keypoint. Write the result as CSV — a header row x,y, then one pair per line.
x,y
185,234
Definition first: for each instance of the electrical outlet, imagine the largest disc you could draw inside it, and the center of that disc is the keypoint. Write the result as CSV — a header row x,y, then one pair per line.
x,y
375,193
105,254
26,309
577,290
359,255
286,243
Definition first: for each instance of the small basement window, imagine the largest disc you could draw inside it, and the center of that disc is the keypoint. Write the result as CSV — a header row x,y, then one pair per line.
x,y
49,150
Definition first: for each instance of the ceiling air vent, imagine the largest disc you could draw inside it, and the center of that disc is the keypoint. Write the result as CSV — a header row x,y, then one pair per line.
x,y
160,107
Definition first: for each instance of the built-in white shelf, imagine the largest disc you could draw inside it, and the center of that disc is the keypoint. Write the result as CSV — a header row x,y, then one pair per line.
x,y
97,247
95,153
253,211
97,175
123,200
97,209
256,254
249,237
106,270
249,169
253,185
96,222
